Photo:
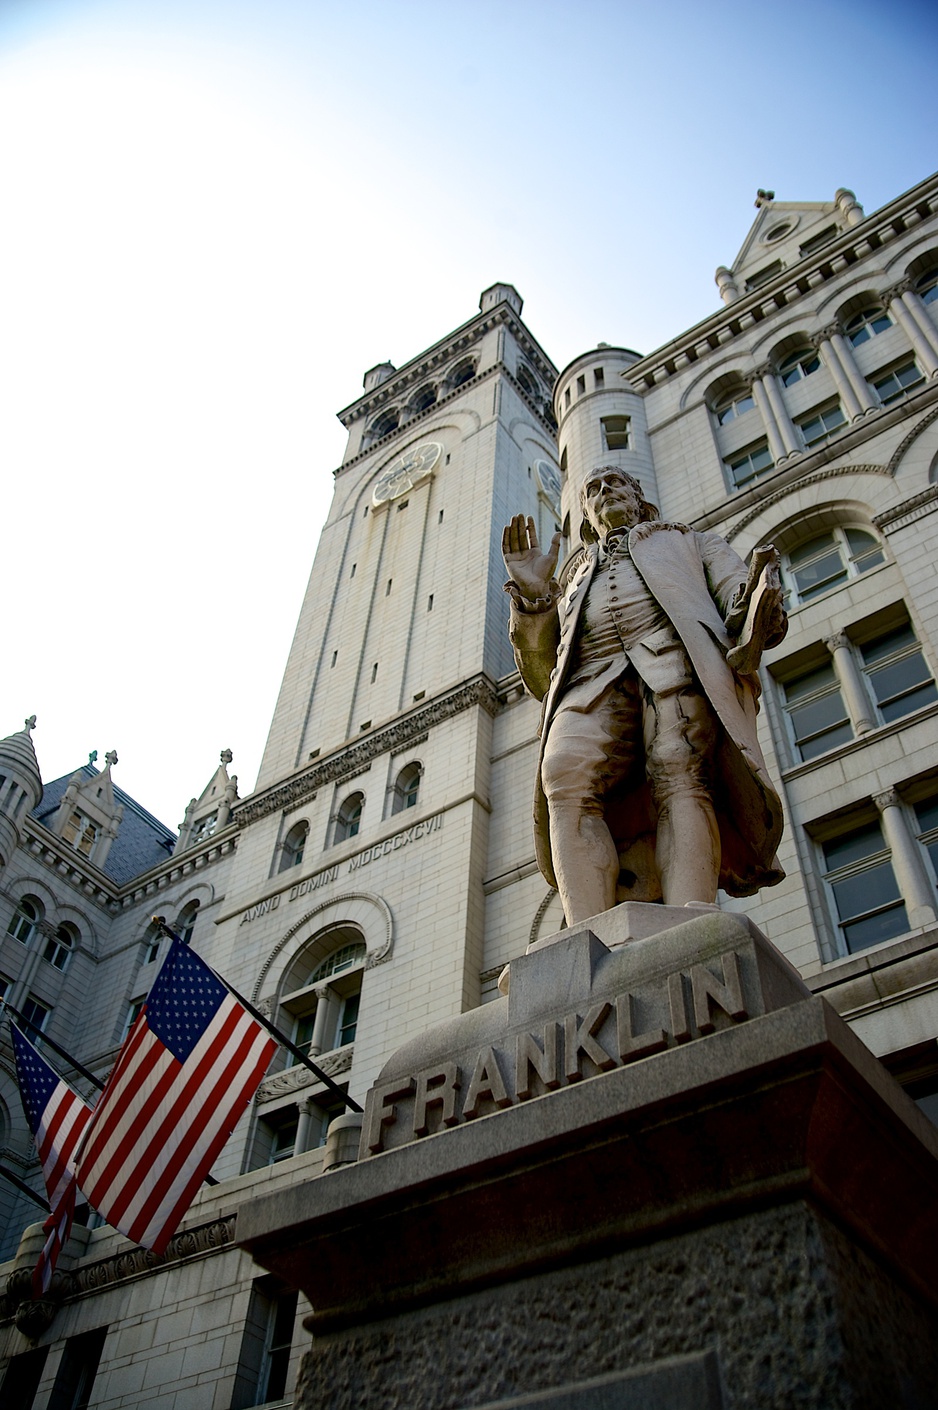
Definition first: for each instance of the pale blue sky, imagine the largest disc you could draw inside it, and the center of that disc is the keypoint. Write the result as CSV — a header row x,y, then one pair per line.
x,y
217,216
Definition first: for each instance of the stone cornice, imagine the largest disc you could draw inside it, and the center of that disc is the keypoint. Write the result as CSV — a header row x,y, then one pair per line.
x,y
854,245
419,368
426,415
351,758
137,1262
898,516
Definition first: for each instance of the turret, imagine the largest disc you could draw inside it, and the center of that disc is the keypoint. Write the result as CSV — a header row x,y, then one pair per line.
x,y
20,787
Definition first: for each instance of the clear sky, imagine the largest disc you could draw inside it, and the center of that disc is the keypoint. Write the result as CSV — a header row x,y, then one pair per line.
x,y
217,216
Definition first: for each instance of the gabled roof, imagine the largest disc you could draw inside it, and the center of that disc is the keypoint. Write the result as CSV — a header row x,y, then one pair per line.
x,y
141,842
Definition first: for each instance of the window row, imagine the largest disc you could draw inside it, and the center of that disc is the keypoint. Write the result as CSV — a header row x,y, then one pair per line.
x,y
861,683
816,426
27,922
391,418
404,794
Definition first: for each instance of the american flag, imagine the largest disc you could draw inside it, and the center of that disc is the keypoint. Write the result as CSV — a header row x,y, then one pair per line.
x,y
187,1070
57,1117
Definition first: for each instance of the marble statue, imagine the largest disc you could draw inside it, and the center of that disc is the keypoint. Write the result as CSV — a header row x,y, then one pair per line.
x,y
651,783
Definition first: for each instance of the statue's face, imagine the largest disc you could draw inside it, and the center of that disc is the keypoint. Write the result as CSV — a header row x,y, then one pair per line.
x,y
612,501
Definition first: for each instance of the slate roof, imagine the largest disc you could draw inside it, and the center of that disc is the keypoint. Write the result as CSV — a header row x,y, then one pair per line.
x,y
141,842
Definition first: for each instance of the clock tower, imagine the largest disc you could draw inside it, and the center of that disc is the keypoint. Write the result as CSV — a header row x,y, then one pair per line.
x,y
376,795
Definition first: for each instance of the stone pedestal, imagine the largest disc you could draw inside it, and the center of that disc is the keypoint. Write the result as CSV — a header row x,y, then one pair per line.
x,y
656,1175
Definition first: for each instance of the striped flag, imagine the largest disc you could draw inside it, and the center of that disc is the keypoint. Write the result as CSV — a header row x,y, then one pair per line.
x,y
187,1070
57,1117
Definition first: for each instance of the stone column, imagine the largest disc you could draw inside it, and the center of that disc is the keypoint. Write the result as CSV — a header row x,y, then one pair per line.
x,y
856,699
321,1021
776,444
901,302
305,1109
786,427
895,299
916,889
729,289
849,205
854,390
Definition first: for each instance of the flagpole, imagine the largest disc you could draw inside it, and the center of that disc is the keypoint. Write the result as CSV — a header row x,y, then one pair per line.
x,y
30,1029
272,1028
22,1186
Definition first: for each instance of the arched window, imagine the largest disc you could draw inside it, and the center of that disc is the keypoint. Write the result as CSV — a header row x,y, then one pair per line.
x,y
349,817
323,988
866,324
59,946
294,846
186,922
384,425
406,787
463,372
797,365
733,404
927,286
422,400
151,943
346,957
24,919
528,383
829,559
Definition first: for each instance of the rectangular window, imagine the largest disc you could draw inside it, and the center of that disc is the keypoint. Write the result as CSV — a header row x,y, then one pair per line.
x,y
35,1015
763,276
898,676
818,241
927,816
133,1013
816,710
615,432
335,657
863,886
21,1381
348,1021
580,386
266,1344
282,1136
599,377
750,464
75,1377
889,386
820,425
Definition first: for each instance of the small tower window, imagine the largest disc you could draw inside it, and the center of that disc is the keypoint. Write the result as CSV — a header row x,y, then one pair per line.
x,y
80,833
294,846
615,432
406,788
349,818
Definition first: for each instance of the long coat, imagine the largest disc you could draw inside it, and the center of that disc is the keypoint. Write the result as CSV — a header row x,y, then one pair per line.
x,y
694,577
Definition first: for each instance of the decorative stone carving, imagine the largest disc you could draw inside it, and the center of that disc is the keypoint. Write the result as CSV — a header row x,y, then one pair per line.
x,y
393,738
294,1079
207,1238
651,782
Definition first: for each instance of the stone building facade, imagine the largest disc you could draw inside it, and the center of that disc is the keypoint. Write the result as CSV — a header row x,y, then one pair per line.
x,y
382,872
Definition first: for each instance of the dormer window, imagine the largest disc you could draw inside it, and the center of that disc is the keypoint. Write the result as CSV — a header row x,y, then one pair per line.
x,y
203,827
80,832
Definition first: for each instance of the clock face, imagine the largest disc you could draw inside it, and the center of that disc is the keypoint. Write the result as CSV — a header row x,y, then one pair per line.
x,y
548,477
405,472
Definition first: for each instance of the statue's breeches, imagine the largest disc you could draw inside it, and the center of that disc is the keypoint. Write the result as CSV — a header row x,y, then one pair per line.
x,y
628,732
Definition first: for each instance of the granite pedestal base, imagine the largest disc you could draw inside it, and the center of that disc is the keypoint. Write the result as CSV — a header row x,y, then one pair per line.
x,y
742,1212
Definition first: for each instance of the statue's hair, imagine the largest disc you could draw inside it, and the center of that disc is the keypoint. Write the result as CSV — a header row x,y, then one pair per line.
x,y
648,510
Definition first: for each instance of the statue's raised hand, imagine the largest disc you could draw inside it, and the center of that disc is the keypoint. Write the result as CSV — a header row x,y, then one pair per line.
x,y
529,569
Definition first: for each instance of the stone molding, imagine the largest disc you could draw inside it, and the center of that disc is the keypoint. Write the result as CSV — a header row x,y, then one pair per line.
x,y
789,489
373,957
352,759
137,1262
908,439
296,1079
899,516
